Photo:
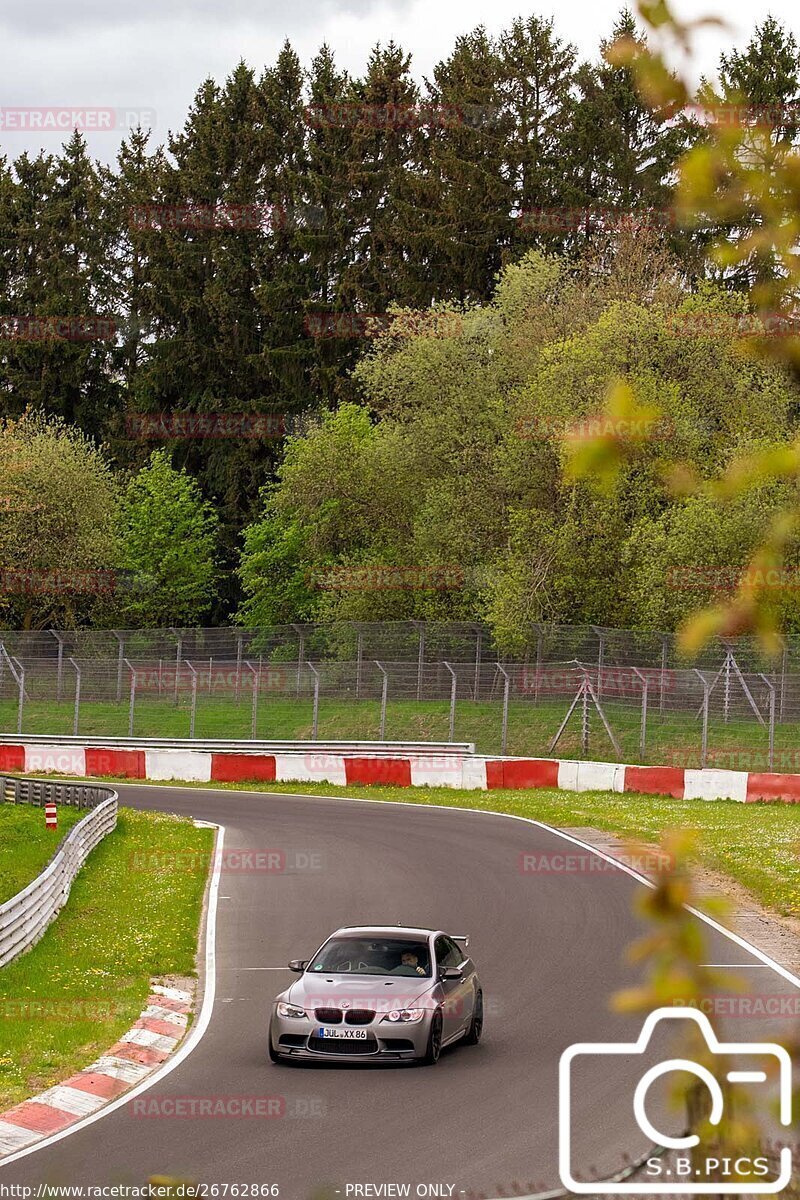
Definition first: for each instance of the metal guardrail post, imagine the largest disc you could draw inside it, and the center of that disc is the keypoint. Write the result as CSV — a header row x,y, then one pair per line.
x,y
254,712
193,713
706,694
384,695
771,688
132,701
506,687
453,689
76,713
315,716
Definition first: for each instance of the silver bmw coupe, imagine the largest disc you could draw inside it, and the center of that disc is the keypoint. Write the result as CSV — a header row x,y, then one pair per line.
x,y
379,993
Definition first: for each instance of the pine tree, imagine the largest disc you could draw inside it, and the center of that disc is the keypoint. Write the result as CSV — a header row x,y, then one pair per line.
x,y
537,79
382,110
620,154
61,251
464,192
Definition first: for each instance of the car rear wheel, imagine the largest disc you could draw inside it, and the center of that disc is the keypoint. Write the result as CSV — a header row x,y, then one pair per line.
x,y
434,1048
475,1028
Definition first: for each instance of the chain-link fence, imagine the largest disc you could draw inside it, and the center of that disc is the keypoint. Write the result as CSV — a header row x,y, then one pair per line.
x,y
614,695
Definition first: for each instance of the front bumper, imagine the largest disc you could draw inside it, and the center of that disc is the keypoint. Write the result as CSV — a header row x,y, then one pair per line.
x,y
294,1037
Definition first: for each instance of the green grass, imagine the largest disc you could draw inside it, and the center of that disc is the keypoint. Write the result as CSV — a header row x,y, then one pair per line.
x,y
129,918
672,737
26,845
757,845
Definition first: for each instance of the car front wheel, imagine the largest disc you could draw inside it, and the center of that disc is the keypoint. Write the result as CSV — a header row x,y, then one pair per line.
x,y
275,1057
475,1028
434,1047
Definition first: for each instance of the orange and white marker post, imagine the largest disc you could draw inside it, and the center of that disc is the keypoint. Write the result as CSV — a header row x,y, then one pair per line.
x,y
51,816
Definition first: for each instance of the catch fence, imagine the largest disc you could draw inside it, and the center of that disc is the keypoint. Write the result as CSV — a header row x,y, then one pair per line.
x,y
623,696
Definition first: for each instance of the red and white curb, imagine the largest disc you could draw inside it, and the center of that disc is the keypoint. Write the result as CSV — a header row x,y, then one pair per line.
x,y
399,769
139,1052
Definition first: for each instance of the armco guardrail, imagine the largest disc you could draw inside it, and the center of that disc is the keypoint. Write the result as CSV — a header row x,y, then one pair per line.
x,y
25,917
243,746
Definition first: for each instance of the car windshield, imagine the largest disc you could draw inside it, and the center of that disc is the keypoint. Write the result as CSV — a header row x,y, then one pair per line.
x,y
373,956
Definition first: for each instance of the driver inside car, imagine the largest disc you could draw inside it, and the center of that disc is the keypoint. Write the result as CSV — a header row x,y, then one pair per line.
x,y
409,965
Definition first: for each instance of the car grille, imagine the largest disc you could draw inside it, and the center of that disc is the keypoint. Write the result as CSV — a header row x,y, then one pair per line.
x,y
355,1016
334,1046
360,1016
329,1016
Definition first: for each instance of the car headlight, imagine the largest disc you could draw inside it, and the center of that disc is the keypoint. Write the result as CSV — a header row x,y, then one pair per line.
x,y
403,1016
289,1010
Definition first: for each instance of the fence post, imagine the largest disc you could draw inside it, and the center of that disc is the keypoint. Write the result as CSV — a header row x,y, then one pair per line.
x,y
301,653
60,670
21,684
120,661
538,664
601,654
420,659
77,698
664,645
784,657
179,637
194,698
210,665
238,667
506,686
478,648
706,693
132,701
643,726
384,694
315,717
254,713
771,721
359,659
453,687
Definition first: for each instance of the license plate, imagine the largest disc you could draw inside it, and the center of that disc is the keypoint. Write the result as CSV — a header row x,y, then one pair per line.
x,y
349,1035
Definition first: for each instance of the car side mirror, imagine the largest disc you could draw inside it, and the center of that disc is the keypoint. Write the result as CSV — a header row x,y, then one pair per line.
x,y
450,973
298,964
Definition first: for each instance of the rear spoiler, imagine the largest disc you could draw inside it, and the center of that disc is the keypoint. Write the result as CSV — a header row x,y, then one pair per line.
x,y
461,937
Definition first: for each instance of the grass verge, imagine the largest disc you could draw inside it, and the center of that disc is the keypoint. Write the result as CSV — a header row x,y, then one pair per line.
x,y
757,845
27,845
131,915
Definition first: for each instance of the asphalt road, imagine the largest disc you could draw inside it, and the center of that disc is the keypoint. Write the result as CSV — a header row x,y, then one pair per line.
x,y
549,946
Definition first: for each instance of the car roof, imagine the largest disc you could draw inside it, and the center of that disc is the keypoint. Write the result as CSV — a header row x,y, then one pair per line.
x,y
386,931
